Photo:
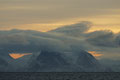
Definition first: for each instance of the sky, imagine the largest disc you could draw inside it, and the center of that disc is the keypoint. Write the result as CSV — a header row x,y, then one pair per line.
x,y
63,26
45,15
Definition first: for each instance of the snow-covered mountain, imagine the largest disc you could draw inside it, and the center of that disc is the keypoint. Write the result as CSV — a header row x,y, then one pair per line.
x,y
50,53
47,61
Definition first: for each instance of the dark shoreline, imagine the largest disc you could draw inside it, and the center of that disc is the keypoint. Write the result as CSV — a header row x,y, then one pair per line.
x,y
60,75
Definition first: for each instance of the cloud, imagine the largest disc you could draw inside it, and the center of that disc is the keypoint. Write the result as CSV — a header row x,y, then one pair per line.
x,y
70,49
75,29
62,39
102,38
118,39
102,41
33,41
105,42
71,42
27,41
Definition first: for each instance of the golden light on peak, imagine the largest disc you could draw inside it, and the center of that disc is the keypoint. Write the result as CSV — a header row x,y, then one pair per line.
x,y
95,54
18,55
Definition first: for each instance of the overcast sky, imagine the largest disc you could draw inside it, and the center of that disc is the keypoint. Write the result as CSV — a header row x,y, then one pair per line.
x,y
44,15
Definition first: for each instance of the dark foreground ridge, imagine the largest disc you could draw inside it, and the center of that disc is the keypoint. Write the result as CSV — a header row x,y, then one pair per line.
x,y
59,76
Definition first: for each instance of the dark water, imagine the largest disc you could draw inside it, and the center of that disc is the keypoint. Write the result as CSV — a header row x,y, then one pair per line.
x,y
59,76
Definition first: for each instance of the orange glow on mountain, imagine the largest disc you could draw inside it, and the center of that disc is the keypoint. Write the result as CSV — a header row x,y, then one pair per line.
x,y
18,55
95,54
